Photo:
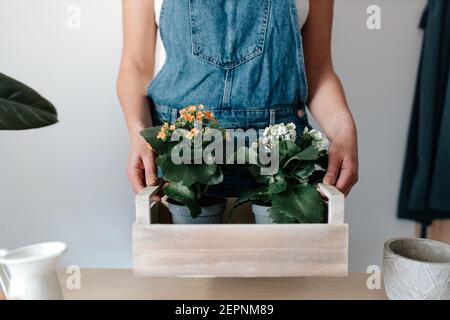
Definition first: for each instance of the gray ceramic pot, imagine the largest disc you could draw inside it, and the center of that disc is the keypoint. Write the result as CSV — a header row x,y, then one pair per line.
x,y
262,215
416,269
212,214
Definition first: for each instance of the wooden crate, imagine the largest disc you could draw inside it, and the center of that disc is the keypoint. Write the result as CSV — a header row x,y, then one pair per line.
x,y
238,248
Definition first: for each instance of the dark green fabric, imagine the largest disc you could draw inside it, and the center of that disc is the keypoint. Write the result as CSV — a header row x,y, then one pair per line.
x,y
425,189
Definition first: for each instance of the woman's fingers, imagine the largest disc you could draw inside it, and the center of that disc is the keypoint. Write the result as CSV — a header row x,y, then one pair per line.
x,y
334,165
141,166
135,173
348,176
151,177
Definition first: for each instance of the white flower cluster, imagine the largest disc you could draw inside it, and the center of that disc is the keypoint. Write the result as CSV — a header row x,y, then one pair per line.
x,y
272,135
319,141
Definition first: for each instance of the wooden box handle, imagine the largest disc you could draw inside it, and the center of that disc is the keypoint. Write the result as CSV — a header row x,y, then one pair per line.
x,y
144,204
336,201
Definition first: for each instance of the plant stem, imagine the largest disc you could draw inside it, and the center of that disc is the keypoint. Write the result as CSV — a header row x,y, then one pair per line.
x,y
199,192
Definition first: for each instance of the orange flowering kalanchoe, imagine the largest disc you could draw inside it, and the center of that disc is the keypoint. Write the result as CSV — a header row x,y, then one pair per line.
x,y
189,116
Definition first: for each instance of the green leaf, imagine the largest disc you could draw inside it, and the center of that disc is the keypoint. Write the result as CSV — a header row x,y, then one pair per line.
x,y
255,172
185,195
300,202
288,149
309,154
323,160
256,194
151,134
208,174
280,217
160,146
204,173
23,108
172,172
278,185
304,172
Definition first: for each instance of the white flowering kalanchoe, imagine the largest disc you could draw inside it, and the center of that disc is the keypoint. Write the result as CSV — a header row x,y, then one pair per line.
x,y
319,141
272,135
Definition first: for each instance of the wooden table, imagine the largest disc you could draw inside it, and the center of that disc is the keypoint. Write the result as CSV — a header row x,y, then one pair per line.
x,y
122,284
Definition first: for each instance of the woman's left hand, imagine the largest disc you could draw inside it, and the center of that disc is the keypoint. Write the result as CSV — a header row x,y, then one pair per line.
x,y
342,169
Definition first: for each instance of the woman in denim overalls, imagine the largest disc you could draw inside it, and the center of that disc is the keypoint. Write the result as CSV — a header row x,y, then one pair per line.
x,y
245,61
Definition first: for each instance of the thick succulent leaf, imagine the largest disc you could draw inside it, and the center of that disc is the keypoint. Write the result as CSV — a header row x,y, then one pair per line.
x,y
151,136
277,185
251,195
185,195
304,172
300,202
207,174
172,172
255,172
322,161
288,149
23,108
309,154
280,217
204,173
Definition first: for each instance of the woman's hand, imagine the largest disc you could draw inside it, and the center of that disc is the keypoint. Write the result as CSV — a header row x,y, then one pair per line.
x,y
141,170
342,169
327,100
136,71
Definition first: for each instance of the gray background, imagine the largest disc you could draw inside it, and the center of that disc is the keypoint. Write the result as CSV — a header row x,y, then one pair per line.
x,y
67,182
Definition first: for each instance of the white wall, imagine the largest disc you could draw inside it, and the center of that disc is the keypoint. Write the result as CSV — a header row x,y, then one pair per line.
x,y
378,69
67,182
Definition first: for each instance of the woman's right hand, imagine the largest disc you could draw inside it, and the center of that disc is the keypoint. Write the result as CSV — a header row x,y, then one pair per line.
x,y
141,170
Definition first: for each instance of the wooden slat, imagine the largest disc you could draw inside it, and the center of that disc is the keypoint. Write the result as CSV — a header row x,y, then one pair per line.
x,y
240,250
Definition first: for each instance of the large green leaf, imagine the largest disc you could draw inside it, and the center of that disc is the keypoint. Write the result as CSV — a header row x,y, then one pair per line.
x,y
23,108
185,195
305,171
309,154
208,174
300,202
288,149
281,217
255,171
277,184
160,146
260,194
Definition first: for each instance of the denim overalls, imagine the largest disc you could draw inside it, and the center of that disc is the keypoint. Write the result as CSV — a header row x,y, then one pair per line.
x,y
241,59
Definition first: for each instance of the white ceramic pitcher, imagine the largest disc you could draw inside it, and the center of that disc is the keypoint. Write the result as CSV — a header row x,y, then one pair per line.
x,y
29,273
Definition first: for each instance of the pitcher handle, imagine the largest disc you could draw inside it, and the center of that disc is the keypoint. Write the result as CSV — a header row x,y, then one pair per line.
x,y
4,277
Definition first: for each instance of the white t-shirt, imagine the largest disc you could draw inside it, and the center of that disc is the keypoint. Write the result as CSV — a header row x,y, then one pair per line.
x,y
303,11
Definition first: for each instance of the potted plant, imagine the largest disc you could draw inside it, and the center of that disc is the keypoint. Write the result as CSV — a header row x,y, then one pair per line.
x,y
188,200
23,108
288,194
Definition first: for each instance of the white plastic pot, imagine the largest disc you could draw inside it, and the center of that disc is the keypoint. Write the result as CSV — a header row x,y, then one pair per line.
x,y
262,215
212,214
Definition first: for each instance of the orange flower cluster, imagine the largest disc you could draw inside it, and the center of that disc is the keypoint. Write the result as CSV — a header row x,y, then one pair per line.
x,y
189,116
195,113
